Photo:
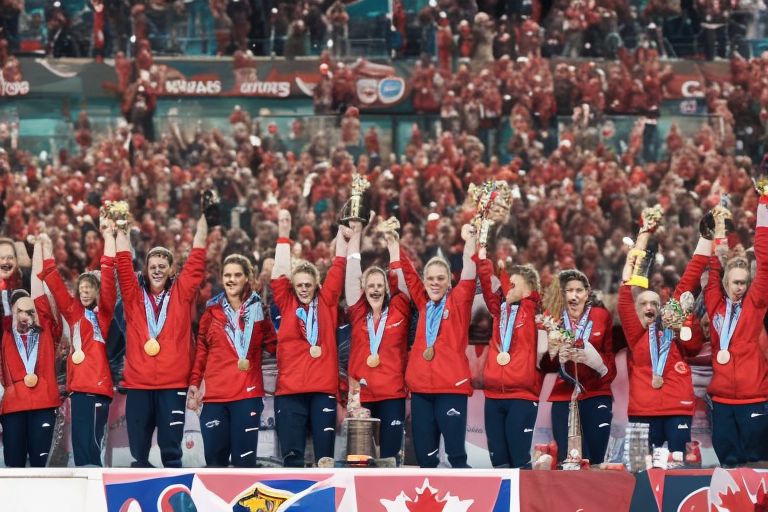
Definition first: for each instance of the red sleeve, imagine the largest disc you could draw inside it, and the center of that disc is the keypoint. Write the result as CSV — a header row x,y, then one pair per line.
x,y
690,281
413,282
47,320
333,286
129,285
758,291
64,301
633,328
268,335
201,350
713,294
465,291
492,300
107,293
192,275
281,293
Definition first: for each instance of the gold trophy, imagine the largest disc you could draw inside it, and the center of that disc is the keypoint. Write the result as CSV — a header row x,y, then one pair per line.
x,y
117,211
491,201
352,208
649,223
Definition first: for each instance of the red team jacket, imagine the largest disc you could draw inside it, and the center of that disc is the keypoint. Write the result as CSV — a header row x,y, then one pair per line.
x,y
45,395
675,397
448,372
601,338
297,371
170,368
216,358
745,378
93,374
386,381
520,379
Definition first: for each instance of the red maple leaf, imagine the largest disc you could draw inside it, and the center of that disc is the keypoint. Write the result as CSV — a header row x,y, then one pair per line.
x,y
735,501
761,504
426,502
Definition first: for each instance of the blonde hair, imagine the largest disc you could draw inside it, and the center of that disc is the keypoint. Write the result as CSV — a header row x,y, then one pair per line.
x,y
736,262
161,252
239,259
306,267
529,274
374,270
438,260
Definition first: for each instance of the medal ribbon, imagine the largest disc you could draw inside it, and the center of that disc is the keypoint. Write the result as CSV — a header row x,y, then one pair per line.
x,y
659,351
507,325
732,314
155,322
375,335
310,321
28,354
434,315
77,340
251,312
583,332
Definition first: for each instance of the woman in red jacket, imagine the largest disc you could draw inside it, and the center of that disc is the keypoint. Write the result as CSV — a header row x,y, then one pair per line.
x,y
233,331
307,361
30,340
438,369
660,382
380,321
89,315
158,354
591,361
739,386
511,376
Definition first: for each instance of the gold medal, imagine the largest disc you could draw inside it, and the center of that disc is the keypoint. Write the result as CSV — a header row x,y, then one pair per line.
x,y
723,356
429,354
152,347
243,364
503,358
315,351
657,381
78,357
30,380
373,360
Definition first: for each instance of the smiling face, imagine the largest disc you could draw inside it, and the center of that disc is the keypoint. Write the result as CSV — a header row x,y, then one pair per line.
x,y
7,260
158,271
375,288
647,307
576,295
437,280
234,278
305,285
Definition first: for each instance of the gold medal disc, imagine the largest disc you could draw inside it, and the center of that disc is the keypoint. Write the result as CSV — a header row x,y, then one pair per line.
x,y
429,354
503,358
30,380
373,360
657,381
315,351
78,357
723,356
243,365
152,347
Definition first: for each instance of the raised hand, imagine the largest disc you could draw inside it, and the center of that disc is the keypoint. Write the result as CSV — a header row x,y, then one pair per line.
x,y
283,223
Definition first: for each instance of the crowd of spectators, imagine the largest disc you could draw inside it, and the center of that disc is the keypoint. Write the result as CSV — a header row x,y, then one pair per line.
x,y
573,206
291,28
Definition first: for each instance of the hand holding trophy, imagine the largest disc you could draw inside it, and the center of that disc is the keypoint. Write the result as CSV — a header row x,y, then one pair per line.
x,y
118,212
352,209
641,253
491,201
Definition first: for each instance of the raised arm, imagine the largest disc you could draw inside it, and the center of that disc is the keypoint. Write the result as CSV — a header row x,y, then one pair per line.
x,y
485,271
468,268
282,266
415,286
107,289
51,277
352,285
758,292
201,233
393,246
129,286
691,278
36,283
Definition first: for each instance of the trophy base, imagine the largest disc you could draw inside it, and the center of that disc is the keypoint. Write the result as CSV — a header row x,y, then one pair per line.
x,y
640,281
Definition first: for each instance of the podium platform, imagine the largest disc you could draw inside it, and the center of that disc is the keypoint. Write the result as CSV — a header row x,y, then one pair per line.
x,y
385,490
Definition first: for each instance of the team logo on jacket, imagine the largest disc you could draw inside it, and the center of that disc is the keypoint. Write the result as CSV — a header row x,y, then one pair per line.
x,y
681,368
